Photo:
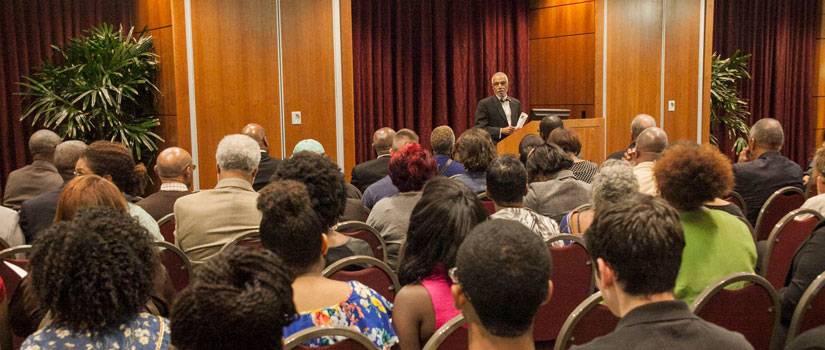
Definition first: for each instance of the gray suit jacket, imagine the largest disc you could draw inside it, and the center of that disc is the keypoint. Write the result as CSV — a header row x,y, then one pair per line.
x,y
30,181
556,197
491,117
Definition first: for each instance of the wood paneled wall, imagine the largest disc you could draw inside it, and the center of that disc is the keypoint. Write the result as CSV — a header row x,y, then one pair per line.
x,y
819,83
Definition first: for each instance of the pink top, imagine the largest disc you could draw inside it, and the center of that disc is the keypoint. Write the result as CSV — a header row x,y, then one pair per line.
x,y
438,285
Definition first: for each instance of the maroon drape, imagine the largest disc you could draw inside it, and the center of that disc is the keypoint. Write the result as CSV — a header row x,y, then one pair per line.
x,y
781,36
27,29
423,63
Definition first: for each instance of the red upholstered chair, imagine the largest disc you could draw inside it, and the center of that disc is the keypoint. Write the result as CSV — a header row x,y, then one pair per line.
x,y
376,275
736,199
451,336
176,263
489,206
785,239
752,310
810,312
167,227
572,282
588,321
353,341
367,233
779,204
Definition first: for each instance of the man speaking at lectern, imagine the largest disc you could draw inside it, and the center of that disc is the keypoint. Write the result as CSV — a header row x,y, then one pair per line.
x,y
498,114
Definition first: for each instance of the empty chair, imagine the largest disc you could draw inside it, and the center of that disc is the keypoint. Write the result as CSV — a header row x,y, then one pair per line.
x,y
176,263
785,239
780,203
590,320
366,233
451,336
810,312
167,227
354,340
752,310
736,199
376,274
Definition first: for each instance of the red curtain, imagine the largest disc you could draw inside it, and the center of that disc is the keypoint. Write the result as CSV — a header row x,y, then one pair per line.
x,y
423,63
28,28
781,37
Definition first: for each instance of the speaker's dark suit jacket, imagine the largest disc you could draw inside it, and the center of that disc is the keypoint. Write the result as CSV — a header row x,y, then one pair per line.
x,y
490,115
758,179
367,173
266,168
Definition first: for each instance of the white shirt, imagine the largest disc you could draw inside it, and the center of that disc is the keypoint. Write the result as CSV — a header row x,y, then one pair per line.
x,y
644,174
508,112
173,187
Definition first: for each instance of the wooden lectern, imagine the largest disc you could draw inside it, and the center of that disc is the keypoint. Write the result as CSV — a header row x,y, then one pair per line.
x,y
589,130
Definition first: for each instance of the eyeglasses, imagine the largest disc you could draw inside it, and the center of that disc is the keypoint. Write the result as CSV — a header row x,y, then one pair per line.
x,y
453,273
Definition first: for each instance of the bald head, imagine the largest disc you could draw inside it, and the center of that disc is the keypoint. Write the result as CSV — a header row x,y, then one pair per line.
x,y
402,138
382,140
640,123
173,163
42,144
257,133
66,155
767,134
652,140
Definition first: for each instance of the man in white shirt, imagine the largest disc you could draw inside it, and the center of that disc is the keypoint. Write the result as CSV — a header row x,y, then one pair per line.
x,y
649,147
498,114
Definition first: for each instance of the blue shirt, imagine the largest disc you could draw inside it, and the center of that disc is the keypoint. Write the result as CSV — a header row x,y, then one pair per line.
x,y
379,190
455,167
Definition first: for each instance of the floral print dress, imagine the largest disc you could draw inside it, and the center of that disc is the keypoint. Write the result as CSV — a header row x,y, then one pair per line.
x,y
144,332
365,311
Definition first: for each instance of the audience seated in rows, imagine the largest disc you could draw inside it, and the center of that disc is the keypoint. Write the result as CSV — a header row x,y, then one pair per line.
x,y
502,276
37,213
553,190
207,220
639,123
526,145
583,170
325,184
367,173
614,183
548,124
410,168
174,168
475,150
291,229
442,142
446,213
94,274
241,299
38,177
717,243
385,187
637,248
761,169
267,164
507,186
817,202
649,147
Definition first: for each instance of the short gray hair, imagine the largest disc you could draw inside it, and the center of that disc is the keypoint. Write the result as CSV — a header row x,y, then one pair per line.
x,y
238,152
768,133
613,183
44,142
67,153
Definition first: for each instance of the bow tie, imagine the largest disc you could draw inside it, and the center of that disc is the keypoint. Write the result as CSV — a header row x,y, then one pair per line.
x,y
506,99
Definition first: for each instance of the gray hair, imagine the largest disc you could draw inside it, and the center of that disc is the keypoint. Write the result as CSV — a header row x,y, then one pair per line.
x,y
238,152
768,133
613,183
43,142
640,123
66,155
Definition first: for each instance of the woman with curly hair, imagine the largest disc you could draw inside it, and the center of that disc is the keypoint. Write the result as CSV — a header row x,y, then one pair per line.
x,y
474,149
716,243
446,213
291,229
94,275
553,189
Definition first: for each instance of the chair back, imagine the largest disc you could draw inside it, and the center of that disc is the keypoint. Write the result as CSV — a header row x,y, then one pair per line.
x,y
779,204
366,233
176,263
787,236
451,336
752,310
810,312
353,340
573,221
167,227
736,199
590,320
11,276
573,283
489,206
250,240
375,274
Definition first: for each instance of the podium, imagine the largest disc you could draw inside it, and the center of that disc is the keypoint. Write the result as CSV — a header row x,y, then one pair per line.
x,y
590,132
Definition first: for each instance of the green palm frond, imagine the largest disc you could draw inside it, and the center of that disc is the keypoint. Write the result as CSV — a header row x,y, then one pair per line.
x,y
728,110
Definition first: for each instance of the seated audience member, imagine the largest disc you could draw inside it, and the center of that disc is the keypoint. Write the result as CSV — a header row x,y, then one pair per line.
x,y
367,173
384,187
548,124
114,162
649,147
410,168
502,276
291,229
553,190
241,299
88,191
9,227
38,177
94,274
613,183
639,123
818,171
207,220
506,186
475,149
267,164
813,339
636,246
38,213
174,168
442,141
761,169
527,143
325,185
718,244
583,170
446,213
308,145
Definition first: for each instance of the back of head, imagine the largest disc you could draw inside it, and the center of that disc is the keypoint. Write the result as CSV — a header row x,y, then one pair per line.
x,y
545,161
173,162
819,161
614,183
289,226
548,124
640,123
88,191
382,140
43,143
402,138
238,153
689,175
767,133
504,269
241,299
652,140
442,140
411,167
526,145
475,149
641,239
113,159
256,132
567,140
95,271
506,180
323,180
446,213
66,155
309,145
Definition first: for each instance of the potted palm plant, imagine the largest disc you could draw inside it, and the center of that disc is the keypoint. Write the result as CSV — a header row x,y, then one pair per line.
x,y
729,112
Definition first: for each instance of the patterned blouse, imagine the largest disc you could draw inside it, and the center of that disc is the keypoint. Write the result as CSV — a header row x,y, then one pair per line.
x,y
364,311
584,170
144,332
